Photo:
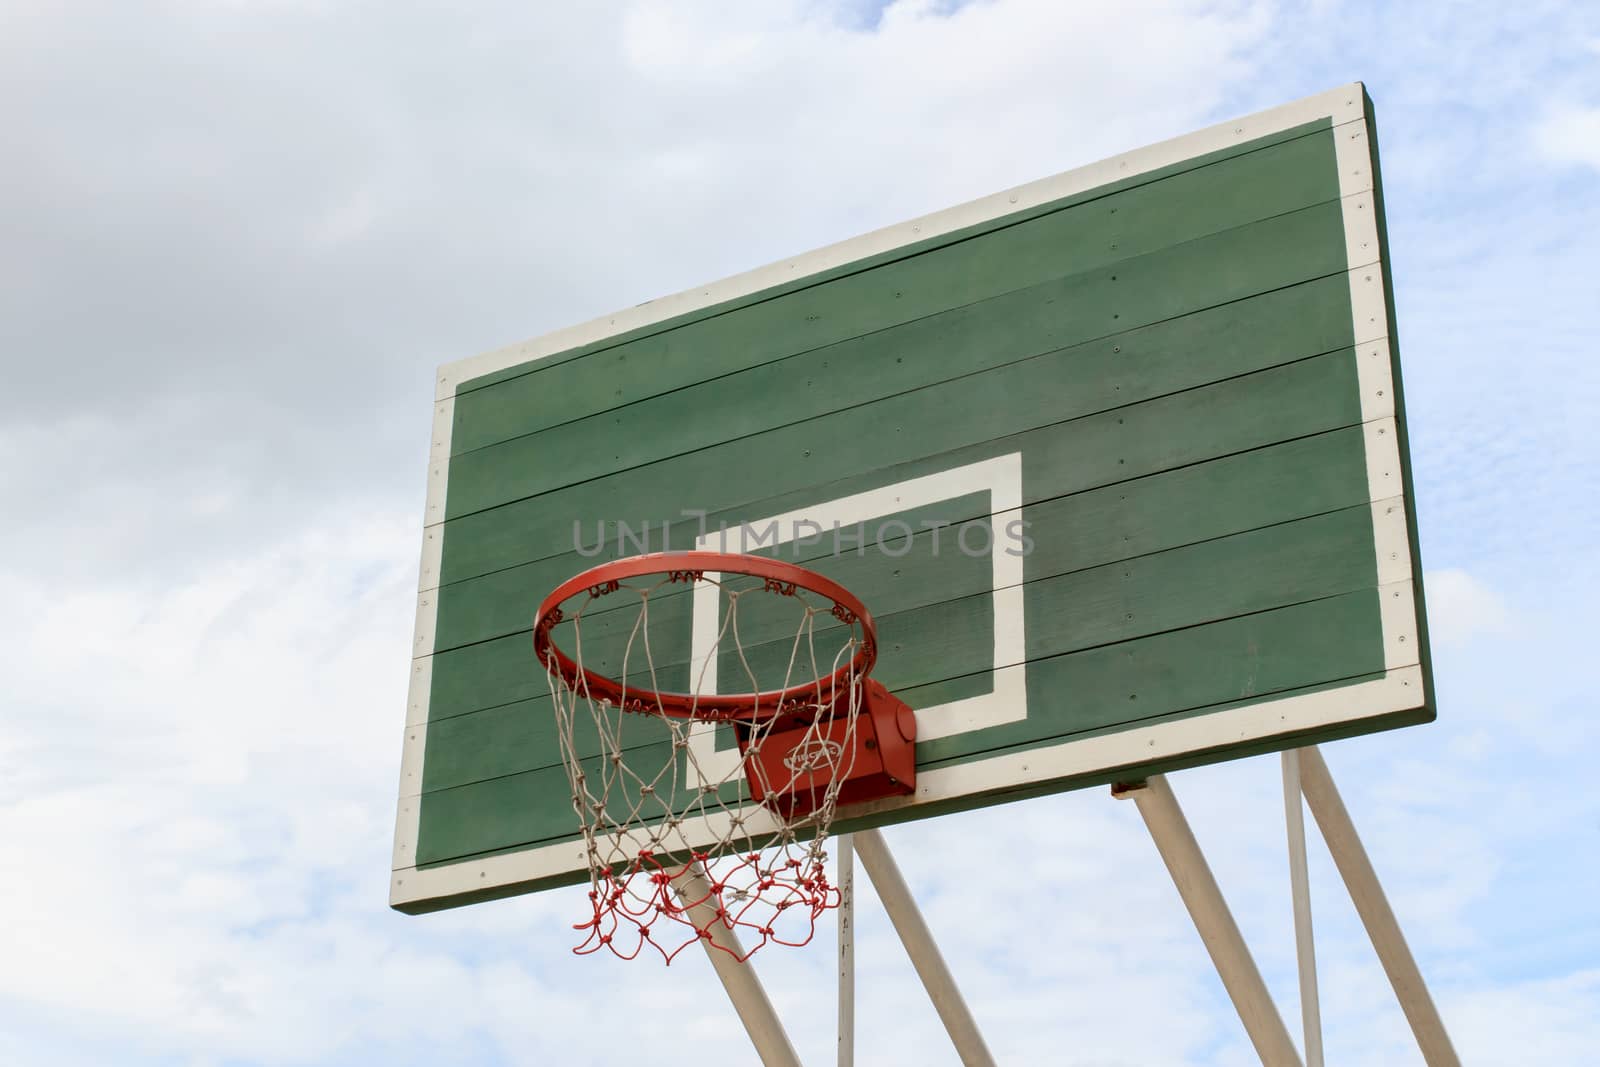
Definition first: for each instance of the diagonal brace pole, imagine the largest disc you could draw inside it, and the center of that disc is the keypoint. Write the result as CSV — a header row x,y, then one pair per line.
x,y
920,946
1201,895
761,1022
1322,796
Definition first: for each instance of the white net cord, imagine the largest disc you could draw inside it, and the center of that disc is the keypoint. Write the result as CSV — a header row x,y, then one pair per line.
x,y
650,810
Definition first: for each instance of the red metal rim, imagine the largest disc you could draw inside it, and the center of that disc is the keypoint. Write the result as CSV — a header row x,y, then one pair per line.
x,y
781,578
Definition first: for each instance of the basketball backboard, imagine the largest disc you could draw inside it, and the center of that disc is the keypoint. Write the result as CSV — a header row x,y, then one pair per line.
x,y
1117,459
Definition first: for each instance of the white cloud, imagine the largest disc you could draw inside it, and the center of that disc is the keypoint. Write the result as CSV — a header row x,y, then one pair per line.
x,y
1460,607
1538,1021
196,763
1569,134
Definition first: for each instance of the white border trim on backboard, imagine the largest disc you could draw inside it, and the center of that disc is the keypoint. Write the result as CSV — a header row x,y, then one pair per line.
x,y
1399,689
1007,701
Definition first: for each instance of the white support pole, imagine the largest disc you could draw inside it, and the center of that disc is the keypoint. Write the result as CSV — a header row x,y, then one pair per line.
x,y
1235,966
847,951
918,940
1373,907
739,979
1300,890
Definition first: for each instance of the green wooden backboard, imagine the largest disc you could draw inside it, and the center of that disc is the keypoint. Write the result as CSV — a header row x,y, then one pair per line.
x,y
1117,459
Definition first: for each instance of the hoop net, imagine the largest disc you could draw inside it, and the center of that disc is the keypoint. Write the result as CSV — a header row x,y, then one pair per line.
x,y
676,848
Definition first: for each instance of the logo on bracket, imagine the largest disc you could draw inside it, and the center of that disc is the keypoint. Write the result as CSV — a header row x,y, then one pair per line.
x,y
812,753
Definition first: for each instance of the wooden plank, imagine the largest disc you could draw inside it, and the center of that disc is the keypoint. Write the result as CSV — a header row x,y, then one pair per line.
x,y
494,605
987,407
1177,281
1008,254
1071,460
538,805
1243,491
496,670
505,670
513,738
1302,320
1116,685
1189,670
1319,732
1308,559
1160,435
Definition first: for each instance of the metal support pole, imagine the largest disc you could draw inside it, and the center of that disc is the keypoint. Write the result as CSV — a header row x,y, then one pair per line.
x,y
739,979
1373,907
847,951
925,957
1235,966
1300,890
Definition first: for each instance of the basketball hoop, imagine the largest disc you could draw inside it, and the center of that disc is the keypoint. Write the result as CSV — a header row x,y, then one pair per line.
x,y
811,731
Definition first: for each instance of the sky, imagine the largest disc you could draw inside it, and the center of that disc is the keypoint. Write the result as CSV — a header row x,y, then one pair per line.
x,y
237,237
